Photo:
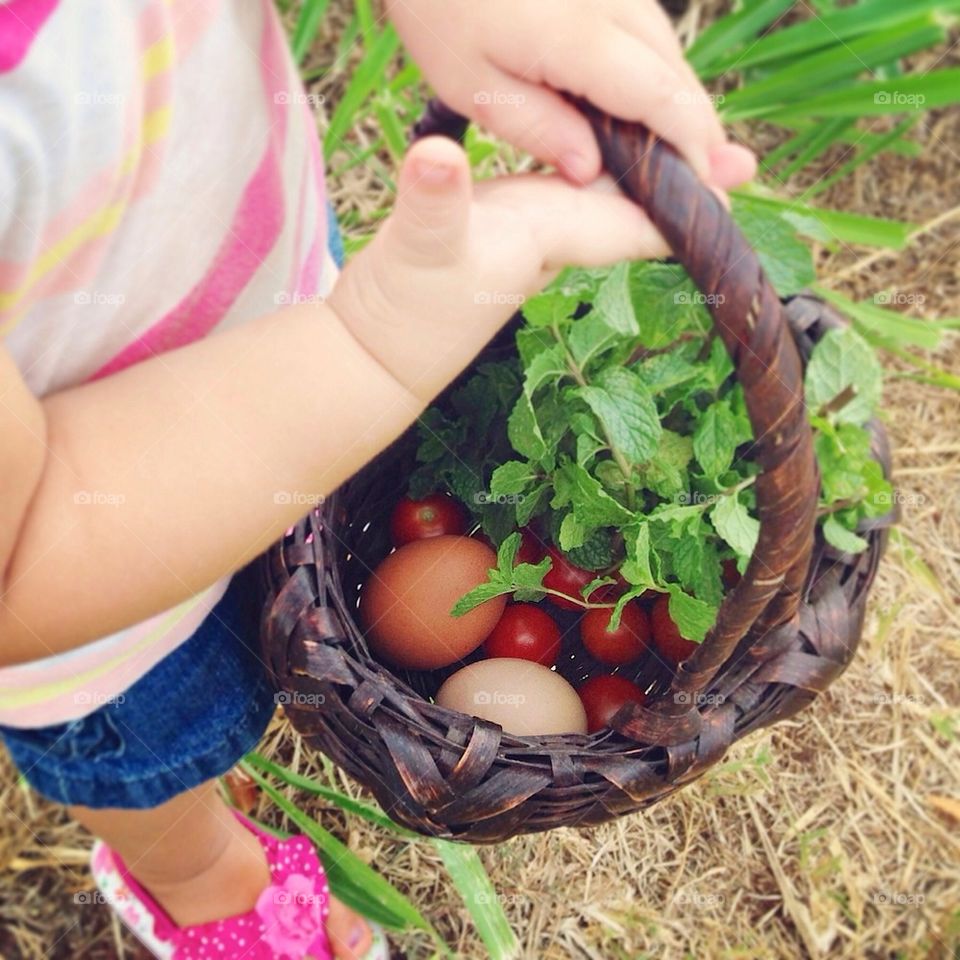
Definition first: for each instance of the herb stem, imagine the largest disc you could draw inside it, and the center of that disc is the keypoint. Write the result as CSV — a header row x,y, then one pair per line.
x,y
618,458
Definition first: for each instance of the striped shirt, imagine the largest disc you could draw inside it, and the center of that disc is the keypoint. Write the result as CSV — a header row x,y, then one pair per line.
x,y
160,178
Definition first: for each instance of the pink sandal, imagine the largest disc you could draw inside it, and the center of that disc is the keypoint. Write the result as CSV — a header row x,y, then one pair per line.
x,y
288,922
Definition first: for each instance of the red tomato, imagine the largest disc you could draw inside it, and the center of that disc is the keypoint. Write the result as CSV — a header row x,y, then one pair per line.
x,y
602,697
434,516
731,575
618,646
531,549
567,578
525,632
666,635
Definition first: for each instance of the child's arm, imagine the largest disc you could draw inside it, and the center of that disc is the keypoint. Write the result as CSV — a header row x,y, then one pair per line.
x,y
125,496
501,62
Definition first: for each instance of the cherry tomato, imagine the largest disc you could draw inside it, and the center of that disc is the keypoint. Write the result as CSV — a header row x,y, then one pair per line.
x,y
567,578
434,516
666,635
602,697
618,646
731,575
525,632
531,549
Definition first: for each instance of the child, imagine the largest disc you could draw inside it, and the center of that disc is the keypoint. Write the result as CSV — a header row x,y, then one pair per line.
x,y
180,374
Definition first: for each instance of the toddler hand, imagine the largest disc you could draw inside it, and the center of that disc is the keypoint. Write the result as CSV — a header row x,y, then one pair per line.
x,y
500,62
455,260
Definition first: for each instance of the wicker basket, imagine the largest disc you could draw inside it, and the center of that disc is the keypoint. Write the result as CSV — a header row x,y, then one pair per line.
x,y
787,630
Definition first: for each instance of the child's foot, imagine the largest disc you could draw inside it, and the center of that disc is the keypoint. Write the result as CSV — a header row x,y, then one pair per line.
x,y
237,882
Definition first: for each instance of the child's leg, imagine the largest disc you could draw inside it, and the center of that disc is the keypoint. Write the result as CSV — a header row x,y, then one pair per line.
x,y
200,864
140,772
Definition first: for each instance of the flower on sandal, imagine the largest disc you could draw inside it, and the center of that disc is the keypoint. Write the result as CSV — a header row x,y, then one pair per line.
x,y
293,915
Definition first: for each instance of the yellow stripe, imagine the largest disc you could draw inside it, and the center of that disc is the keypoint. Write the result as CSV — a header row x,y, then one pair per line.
x,y
49,691
99,223
157,57
156,125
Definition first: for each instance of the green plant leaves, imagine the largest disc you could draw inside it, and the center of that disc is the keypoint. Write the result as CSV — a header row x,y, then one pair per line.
x,y
733,522
623,404
844,372
785,259
715,438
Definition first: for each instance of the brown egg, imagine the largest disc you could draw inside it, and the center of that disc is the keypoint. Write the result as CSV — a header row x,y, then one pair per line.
x,y
405,605
525,698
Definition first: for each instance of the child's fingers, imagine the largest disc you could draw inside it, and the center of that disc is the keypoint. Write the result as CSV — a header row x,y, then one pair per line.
x,y
731,165
431,215
621,74
588,226
539,121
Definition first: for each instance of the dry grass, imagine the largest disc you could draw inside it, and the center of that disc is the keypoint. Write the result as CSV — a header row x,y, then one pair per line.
x,y
835,834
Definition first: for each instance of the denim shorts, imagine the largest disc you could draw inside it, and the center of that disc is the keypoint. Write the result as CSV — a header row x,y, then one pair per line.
x,y
188,719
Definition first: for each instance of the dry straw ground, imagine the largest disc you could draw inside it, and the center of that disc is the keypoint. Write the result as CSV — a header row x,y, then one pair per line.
x,y
836,834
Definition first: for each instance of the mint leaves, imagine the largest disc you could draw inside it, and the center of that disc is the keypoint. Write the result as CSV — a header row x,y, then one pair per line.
x,y
618,430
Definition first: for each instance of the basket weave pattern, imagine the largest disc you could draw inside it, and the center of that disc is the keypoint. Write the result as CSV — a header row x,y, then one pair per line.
x,y
787,630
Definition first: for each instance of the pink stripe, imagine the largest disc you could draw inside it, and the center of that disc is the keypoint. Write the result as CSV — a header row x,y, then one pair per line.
x,y
256,226
20,22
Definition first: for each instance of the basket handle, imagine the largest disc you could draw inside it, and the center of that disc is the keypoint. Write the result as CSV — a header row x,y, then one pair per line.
x,y
752,324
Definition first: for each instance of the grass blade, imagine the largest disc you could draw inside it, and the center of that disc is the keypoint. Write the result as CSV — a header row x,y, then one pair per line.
x,y
863,156
471,879
892,326
368,812
816,33
906,148
829,132
841,226
734,30
367,76
308,23
837,63
914,93
351,879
